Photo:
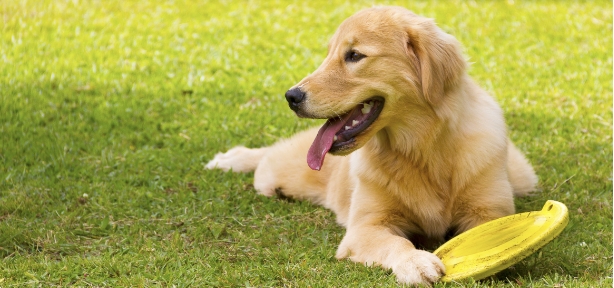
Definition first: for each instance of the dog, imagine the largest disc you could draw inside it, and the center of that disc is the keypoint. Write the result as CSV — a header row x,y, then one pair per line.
x,y
412,152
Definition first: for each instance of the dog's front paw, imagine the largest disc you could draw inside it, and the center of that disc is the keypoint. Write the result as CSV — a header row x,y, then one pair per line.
x,y
410,265
418,268
239,159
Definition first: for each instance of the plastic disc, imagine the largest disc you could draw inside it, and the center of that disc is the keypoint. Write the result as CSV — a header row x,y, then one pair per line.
x,y
498,244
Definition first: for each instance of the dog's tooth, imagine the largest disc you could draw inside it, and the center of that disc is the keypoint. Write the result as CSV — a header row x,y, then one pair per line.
x,y
347,127
335,138
366,108
354,123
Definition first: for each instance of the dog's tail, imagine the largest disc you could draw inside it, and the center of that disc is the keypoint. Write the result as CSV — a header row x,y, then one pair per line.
x,y
520,172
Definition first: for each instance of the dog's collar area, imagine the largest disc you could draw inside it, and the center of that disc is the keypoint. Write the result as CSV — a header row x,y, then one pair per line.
x,y
339,133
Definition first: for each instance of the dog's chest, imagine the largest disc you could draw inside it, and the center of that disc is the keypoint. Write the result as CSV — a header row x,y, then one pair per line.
x,y
426,210
419,195
424,201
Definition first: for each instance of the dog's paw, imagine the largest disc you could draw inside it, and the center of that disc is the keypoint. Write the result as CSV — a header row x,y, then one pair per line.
x,y
418,268
237,159
232,159
411,266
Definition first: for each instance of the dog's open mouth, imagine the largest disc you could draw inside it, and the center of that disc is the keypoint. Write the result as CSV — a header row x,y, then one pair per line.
x,y
339,133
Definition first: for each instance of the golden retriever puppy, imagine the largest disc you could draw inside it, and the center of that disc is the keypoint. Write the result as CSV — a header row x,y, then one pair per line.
x,y
412,151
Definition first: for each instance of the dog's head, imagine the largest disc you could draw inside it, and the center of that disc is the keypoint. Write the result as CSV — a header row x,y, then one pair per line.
x,y
382,64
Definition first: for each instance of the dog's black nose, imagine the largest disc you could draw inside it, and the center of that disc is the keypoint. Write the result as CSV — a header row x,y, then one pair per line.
x,y
295,96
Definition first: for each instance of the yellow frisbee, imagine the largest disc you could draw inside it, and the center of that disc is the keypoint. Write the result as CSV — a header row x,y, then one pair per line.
x,y
493,246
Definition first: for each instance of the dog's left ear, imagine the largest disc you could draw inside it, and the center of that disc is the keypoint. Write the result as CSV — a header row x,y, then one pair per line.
x,y
440,60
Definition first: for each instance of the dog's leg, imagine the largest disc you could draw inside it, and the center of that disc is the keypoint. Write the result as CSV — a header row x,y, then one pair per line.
x,y
379,244
281,168
376,236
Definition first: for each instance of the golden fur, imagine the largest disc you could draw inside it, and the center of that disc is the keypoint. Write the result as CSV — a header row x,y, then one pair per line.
x,y
435,162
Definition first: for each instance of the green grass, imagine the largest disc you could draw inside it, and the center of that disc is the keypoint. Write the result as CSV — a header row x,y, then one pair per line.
x,y
110,109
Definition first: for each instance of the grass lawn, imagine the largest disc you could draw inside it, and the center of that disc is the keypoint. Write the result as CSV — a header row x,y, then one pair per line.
x,y
109,110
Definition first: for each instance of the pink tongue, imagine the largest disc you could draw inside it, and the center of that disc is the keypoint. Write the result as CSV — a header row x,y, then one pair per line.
x,y
324,140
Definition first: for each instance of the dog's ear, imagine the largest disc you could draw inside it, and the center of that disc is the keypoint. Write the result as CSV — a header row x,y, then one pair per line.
x,y
439,58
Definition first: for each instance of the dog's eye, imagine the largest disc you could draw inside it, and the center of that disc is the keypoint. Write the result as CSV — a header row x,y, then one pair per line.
x,y
353,56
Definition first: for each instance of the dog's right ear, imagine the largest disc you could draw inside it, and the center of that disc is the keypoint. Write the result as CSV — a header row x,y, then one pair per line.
x,y
437,55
